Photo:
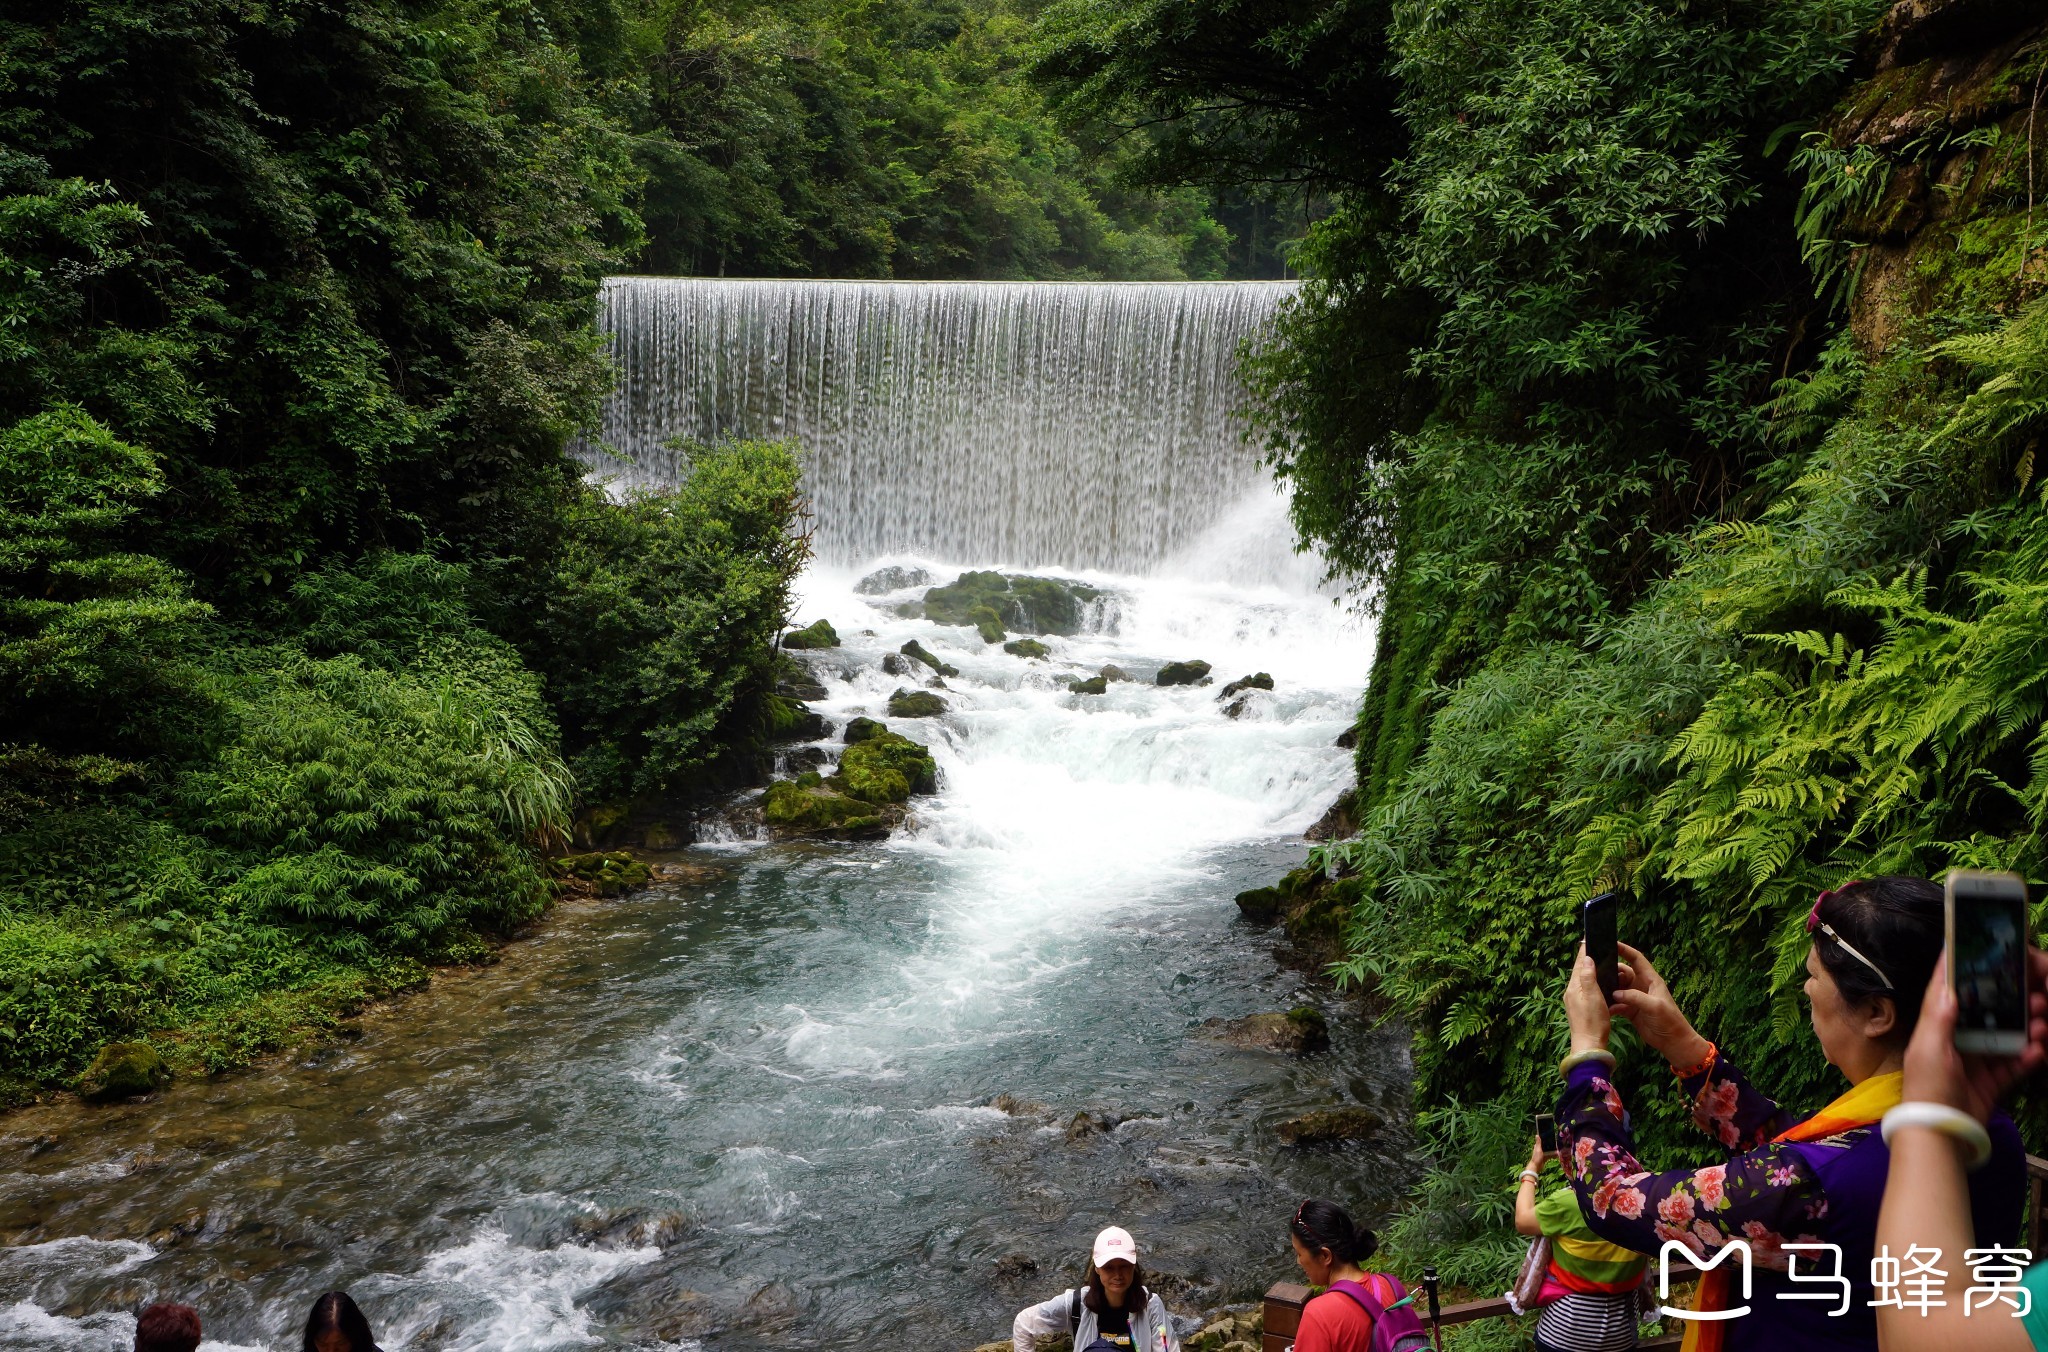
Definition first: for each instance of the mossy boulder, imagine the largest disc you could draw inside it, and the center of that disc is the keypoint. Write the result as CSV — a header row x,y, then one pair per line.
x,y
793,680
607,873
792,721
1261,905
893,578
1112,672
818,634
807,806
1027,647
1258,680
918,652
123,1070
860,729
1183,673
1094,685
1330,1126
916,704
1029,605
887,768
987,623
1296,1033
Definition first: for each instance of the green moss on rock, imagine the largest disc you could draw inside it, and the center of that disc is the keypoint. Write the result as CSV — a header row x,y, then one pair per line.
x,y
918,652
1183,673
123,1070
860,729
987,623
818,634
1027,647
887,768
1031,605
916,704
1330,1126
607,873
1094,685
797,808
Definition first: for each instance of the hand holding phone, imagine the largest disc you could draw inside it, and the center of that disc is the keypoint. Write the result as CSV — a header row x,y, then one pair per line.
x,y
1597,925
1987,960
1546,1133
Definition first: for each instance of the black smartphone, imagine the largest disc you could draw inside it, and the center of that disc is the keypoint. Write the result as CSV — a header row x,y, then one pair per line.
x,y
1596,920
1987,960
1546,1132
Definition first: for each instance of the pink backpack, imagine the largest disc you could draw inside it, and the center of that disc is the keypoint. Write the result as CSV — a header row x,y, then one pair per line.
x,y
1395,1326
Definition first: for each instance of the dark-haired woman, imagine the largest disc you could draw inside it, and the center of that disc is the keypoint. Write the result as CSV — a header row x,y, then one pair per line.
x,y
336,1325
1331,1249
1786,1181
1112,1312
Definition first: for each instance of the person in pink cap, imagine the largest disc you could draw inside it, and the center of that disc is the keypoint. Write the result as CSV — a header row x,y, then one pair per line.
x,y
1113,1312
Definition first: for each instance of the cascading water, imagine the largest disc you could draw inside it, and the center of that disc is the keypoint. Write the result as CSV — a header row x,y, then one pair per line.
x,y
833,1095
1089,426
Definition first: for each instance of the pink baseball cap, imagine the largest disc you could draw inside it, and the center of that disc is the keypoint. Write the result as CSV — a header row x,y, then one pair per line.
x,y
1115,1243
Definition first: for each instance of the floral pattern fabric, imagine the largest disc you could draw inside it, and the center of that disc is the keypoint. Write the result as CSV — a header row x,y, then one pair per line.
x,y
1769,1194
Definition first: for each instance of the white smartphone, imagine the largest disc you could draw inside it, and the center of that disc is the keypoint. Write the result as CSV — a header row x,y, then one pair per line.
x,y
1987,960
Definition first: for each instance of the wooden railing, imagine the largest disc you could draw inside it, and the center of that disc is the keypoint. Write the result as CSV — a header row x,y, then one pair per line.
x,y
1285,1299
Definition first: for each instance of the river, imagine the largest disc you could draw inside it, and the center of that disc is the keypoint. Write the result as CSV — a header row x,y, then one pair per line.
x,y
757,1109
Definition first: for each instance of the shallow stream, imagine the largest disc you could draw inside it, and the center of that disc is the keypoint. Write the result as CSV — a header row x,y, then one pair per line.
x,y
760,1109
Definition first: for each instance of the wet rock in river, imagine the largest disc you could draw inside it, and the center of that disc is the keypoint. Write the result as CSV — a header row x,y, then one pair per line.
x,y
1327,1126
1339,822
1258,680
896,664
1027,647
1094,685
987,623
603,874
916,704
1298,1032
818,634
885,768
793,680
806,806
860,729
1183,673
792,721
1029,605
919,652
123,1070
893,578
1113,672
1261,905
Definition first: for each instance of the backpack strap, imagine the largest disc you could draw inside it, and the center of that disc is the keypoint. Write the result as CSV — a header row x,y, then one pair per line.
x,y
1365,1299
1073,1310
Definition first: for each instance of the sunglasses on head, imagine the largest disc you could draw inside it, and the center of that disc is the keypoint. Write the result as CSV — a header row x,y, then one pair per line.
x,y
1814,922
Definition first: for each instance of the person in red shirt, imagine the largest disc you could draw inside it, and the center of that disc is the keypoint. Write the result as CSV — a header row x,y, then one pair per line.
x,y
1330,1249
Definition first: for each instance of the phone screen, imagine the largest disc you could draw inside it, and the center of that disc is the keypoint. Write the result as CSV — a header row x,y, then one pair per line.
x,y
1990,955
1598,915
1546,1130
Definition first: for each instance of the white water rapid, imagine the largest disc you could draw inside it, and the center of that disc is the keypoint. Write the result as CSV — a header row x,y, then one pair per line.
x,y
827,1095
1090,426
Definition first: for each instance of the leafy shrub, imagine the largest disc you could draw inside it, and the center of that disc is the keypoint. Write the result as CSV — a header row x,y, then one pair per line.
x,y
655,629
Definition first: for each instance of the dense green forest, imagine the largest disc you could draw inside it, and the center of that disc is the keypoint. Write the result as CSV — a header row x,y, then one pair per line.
x,y
1670,381
313,644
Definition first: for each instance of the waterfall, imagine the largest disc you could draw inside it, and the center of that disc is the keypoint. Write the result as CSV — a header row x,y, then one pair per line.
x,y
1089,425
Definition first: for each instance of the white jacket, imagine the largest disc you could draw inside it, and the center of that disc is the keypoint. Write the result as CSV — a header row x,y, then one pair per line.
x,y
1151,1330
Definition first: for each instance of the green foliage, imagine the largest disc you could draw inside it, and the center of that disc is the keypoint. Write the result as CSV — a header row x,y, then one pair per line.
x,y
655,626
879,138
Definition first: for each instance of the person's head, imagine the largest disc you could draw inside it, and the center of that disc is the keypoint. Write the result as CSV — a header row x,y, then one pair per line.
x,y
1875,943
1325,1239
1115,1282
336,1325
167,1328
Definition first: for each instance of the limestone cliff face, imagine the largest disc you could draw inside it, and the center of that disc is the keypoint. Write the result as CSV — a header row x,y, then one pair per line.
x,y
1939,164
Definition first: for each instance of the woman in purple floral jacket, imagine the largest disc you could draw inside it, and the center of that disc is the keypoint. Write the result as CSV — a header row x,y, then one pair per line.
x,y
1785,1181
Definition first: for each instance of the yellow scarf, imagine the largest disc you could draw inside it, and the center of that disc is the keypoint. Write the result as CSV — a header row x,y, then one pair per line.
x,y
1861,1106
